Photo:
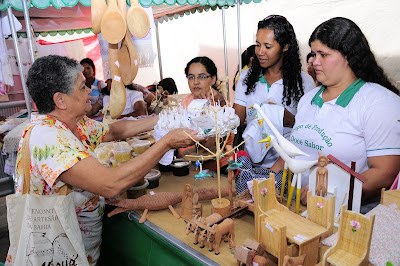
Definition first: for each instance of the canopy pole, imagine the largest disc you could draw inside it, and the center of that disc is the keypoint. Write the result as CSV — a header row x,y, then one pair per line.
x,y
239,36
225,53
18,56
28,30
159,52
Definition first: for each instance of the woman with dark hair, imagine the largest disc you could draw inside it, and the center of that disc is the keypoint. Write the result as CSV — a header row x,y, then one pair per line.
x,y
274,77
89,72
354,115
201,74
247,58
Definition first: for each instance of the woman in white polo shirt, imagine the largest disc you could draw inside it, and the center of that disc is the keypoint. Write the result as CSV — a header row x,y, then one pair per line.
x,y
274,77
355,114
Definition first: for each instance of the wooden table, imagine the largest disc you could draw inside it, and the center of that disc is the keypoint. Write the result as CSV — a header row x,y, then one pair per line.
x,y
296,228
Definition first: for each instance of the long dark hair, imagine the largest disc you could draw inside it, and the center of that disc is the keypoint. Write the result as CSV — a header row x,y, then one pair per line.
x,y
343,35
291,66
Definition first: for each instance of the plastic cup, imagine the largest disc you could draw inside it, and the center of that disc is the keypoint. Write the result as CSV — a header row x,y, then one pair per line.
x,y
122,153
140,146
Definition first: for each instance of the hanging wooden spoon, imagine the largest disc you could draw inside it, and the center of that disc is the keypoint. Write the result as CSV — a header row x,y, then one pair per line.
x,y
138,20
113,25
127,57
118,92
128,60
98,7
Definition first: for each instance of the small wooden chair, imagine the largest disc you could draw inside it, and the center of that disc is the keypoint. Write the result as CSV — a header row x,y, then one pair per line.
x,y
390,197
321,211
274,240
264,203
353,244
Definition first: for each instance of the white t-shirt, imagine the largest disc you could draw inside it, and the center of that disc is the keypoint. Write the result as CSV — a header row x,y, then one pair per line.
x,y
96,90
264,94
131,98
354,126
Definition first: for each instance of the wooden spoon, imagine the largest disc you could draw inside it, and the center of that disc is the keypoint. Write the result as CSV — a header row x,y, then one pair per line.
x,y
128,60
138,20
113,25
118,92
98,7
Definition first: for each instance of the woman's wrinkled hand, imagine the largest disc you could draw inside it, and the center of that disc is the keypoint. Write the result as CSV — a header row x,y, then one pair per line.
x,y
181,138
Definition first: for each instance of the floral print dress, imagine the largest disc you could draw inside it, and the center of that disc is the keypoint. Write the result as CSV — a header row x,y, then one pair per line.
x,y
54,149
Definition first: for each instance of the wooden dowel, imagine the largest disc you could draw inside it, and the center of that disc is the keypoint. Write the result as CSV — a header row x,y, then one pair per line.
x,y
199,143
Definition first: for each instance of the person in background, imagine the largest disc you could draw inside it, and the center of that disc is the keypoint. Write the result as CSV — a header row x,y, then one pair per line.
x,y
58,88
89,72
355,114
168,84
310,68
147,95
135,105
201,74
275,77
247,58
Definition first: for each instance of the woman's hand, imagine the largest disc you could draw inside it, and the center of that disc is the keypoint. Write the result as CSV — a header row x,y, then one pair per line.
x,y
213,95
181,138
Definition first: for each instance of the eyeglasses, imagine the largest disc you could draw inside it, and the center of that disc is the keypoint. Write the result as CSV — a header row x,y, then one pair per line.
x,y
199,77
274,16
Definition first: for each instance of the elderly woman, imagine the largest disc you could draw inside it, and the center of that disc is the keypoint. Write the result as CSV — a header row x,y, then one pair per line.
x,y
57,86
355,114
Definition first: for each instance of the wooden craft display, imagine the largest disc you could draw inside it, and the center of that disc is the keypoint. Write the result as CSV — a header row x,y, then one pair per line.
x,y
197,224
275,220
98,7
321,211
113,24
321,184
138,20
354,240
187,202
214,235
390,198
161,200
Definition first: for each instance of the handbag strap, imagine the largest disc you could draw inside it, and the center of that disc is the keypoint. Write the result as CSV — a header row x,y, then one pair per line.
x,y
26,164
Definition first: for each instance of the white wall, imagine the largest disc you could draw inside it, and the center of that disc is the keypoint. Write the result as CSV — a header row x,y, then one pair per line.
x,y
201,33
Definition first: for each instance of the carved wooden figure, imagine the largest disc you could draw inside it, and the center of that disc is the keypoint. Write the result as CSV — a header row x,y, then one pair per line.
x,y
196,224
160,201
225,229
249,257
187,202
321,183
197,208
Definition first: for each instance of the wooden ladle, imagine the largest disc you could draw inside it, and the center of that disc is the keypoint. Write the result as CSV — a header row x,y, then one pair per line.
x,y
98,7
113,25
128,60
138,20
118,92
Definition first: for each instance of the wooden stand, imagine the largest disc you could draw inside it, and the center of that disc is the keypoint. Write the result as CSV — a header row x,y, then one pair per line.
x,y
221,206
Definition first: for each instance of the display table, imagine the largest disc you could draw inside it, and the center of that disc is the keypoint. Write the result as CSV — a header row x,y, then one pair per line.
x,y
161,240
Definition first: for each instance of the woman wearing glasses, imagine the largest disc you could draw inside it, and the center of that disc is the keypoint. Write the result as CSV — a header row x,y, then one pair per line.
x,y
355,114
275,80
201,73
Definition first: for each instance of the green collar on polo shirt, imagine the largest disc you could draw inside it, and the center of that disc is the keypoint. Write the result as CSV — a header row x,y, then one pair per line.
x,y
345,98
262,79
